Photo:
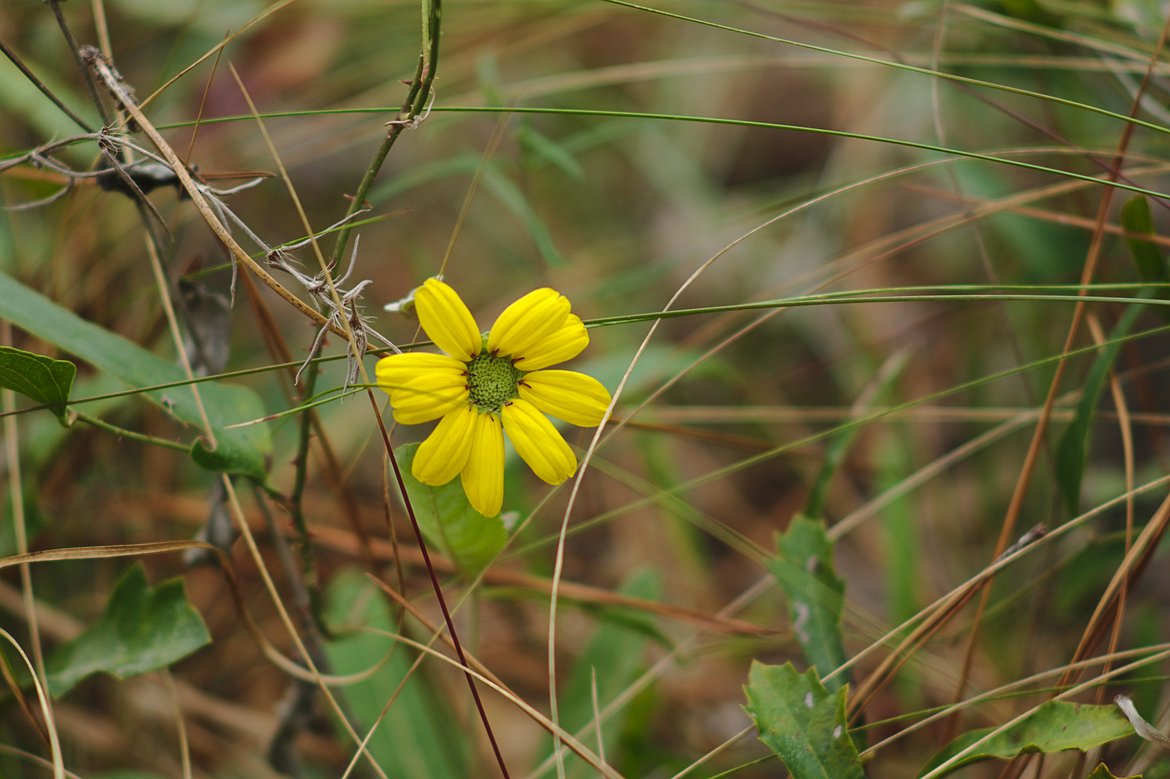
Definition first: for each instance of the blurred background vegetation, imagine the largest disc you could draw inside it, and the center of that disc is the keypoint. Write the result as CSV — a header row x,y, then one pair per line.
x,y
773,149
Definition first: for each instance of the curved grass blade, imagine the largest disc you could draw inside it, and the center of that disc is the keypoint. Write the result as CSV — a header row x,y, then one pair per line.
x,y
416,736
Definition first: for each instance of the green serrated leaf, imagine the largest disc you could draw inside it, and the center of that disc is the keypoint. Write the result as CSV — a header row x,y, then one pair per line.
x,y
449,522
1102,772
802,722
246,448
142,630
1054,727
415,736
804,569
42,379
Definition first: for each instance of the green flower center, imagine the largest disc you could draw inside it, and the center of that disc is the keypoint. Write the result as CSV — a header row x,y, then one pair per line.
x,y
491,381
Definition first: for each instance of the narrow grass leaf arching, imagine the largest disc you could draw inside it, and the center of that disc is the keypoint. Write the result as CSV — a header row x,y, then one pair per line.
x,y
486,385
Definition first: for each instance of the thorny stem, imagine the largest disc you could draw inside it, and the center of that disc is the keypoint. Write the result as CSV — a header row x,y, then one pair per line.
x,y
112,82
297,510
75,50
413,107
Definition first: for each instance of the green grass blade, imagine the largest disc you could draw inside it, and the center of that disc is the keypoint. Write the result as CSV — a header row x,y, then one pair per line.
x,y
1072,450
616,654
416,737
1147,256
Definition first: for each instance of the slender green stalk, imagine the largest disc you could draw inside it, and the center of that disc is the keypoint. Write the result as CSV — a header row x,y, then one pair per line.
x,y
413,110
122,432
974,82
368,179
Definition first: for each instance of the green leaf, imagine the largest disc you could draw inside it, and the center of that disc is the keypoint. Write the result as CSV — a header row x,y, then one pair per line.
x,y
449,522
417,736
1102,772
40,378
1031,11
542,146
515,201
804,568
839,443
245,450
616,653
1072,450
494,182
230,455
1147,257
142,630
1054,727
802,722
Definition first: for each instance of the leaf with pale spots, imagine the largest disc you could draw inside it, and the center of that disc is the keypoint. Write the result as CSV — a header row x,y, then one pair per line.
x,y
802,722
1055,726
804,569
448,521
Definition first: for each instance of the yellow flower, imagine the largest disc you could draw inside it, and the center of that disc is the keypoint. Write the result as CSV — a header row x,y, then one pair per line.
x,y
484,387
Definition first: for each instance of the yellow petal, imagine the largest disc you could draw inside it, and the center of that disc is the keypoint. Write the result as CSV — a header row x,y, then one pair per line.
x,y
446,320
537,442
574,397
527,322
565,344
428,396
483,476
444,453
396,370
